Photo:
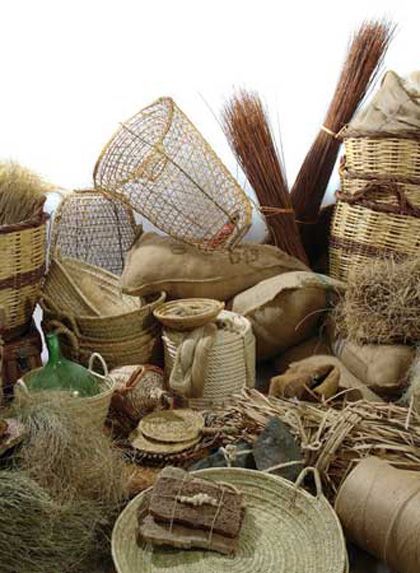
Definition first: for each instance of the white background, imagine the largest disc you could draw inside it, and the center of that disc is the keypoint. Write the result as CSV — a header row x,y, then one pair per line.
x,y
71,70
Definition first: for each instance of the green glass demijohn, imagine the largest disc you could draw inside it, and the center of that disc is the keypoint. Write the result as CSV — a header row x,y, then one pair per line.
x,y
60,374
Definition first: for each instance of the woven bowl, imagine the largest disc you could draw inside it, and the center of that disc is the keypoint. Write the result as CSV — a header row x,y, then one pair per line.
x,y
188,313
285,530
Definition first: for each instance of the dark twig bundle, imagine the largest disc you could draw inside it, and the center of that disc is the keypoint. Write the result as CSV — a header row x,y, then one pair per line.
x,y
363,61
248,130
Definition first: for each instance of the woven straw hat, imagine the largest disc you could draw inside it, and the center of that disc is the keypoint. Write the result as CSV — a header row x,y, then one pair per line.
x,y
285,530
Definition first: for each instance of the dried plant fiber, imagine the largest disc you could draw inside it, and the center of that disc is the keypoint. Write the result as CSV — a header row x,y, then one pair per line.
x,y
67,454
39,535
381,303
379,508
22,194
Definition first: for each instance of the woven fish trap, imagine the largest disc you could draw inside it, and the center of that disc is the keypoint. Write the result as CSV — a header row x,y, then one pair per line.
x,y
364,228
94,228
285,530
230,363
393,157
23,251
160,165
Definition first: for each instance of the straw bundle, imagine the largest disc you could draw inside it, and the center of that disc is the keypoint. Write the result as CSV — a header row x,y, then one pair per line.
x,y
68,454
381,303
22,193
248,130
37,535
333,439
362,63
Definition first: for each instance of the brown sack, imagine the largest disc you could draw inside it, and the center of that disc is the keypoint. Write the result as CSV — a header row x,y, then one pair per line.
x,y
311,347
284,310
157,263
307,382
383,368
346,382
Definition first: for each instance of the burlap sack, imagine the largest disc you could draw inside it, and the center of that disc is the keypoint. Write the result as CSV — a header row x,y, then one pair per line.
x,y
347,381
383,368
284,310
312,347
157,263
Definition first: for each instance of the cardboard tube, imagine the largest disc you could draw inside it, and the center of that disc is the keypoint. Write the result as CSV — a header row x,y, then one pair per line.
x,y
379,508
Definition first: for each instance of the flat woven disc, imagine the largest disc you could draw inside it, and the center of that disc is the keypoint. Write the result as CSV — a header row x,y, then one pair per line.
x,y
172,425
140,442
285,530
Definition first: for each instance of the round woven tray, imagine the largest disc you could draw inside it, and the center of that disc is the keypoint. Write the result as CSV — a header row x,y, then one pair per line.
x,y
188,313
285,530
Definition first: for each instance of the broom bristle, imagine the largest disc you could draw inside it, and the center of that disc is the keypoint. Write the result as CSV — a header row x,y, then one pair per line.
x,y
247,128
362,64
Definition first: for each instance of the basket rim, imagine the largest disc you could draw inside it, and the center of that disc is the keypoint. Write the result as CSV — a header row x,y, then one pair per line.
x,y
32,223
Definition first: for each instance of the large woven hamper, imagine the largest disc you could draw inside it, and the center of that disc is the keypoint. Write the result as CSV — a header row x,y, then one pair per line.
x,y
285,530
23,251
231,360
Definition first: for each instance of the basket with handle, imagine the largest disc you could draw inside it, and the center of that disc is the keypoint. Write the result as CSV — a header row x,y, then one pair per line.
x,y
93,228
364,227
93,408
137,349
285,530
23,250
160,165
229,364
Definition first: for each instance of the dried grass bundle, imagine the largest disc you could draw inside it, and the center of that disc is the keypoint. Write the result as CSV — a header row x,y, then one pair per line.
x,y
69,456
333,438
381,304
248,130
363,61
22,193
38,535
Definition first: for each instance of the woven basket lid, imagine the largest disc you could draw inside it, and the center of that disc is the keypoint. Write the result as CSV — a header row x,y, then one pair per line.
x,y
285,530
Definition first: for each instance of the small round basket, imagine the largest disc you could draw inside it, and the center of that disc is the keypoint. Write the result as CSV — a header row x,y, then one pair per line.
x,y
94,407
188,313
285,530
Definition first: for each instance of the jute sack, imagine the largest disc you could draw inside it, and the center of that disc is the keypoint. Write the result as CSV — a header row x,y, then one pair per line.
x,y
284,310
157,263
383,368
312,347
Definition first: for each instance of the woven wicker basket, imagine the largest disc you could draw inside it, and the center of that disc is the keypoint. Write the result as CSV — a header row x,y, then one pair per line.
x,y
285,530
364,228
23,249
161,166
188,313
94,228
231,360
95,407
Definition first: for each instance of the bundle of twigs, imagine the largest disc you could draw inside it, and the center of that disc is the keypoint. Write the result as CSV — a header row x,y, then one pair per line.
x,y
334,438
363,61
247,128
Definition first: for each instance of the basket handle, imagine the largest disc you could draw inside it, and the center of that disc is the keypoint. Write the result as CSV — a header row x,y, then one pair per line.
x,y
405,207
60,328
62,316
317,479
96,356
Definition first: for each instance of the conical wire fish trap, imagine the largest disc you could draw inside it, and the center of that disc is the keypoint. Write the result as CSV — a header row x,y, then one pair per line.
x,y
162,167
95,229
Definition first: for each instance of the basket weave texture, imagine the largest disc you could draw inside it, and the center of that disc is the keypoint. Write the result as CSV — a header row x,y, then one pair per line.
x,y
285,530
121,328
378,208
189,313
162,167
230,364
94,228
23,251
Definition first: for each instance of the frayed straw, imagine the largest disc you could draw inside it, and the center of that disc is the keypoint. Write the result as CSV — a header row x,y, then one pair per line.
x,y
38,535
381,304
22,193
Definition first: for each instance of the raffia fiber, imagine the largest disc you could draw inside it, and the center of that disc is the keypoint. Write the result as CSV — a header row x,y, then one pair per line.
x,y
333,437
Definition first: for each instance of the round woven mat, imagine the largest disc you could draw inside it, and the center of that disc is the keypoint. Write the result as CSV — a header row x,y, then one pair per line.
x,y
140,442
172,425
285,530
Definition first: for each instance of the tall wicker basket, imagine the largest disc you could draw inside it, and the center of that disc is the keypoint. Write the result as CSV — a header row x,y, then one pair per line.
x,y
23,251
378,207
